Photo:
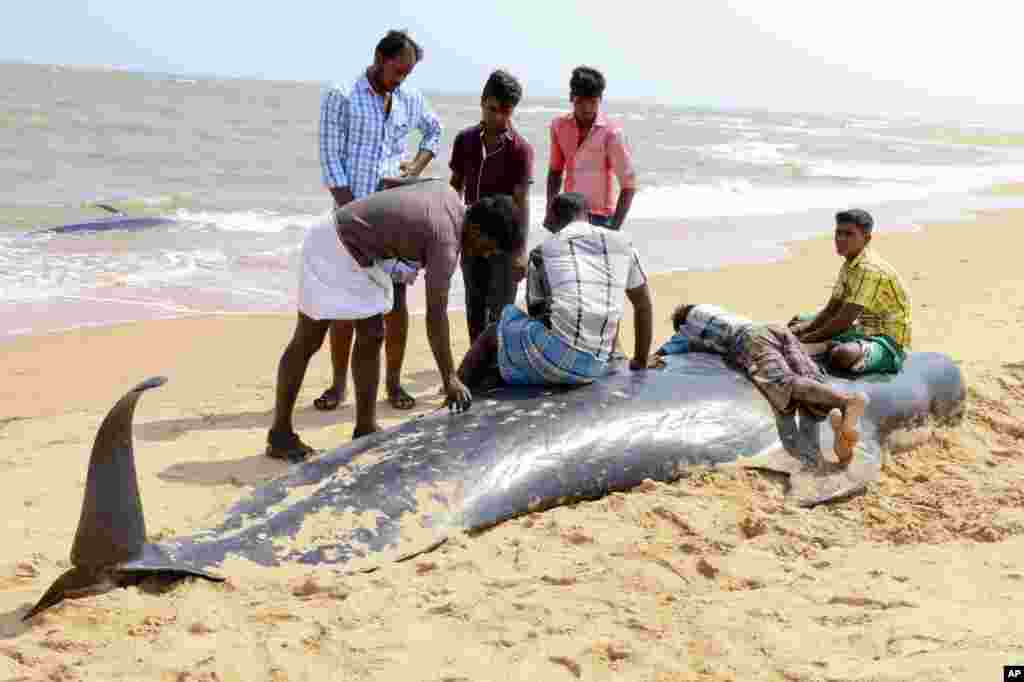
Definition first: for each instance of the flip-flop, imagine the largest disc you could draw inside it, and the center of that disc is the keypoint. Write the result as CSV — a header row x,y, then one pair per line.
x,y
401,400
287,446
328,400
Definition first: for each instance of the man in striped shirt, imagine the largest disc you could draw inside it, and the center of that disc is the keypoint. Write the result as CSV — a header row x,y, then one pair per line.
x,y
577,281
364,130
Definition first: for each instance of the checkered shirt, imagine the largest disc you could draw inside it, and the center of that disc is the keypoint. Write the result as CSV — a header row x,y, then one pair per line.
x,y
359,145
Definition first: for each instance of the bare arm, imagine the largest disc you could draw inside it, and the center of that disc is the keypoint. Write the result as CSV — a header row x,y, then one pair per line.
x,y
439,336
840,322
521,195
458,183
429,124
342,195
622,207
824,315
621,160
413,168
556,166
333,142
554,187
643,321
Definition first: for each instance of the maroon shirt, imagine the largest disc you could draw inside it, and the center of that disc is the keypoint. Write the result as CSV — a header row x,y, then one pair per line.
x,y
421,223
503,169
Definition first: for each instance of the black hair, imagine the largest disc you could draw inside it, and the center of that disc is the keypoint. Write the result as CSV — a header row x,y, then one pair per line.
x,y
680,314
858,217
504,87
567,206
586,81
497,216
395,42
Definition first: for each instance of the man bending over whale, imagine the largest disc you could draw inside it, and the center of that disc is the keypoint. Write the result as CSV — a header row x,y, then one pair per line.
x,y
577,281
777,363
346,273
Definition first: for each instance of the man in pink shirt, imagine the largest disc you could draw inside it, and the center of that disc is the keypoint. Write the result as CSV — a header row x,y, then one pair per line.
x,y
589,149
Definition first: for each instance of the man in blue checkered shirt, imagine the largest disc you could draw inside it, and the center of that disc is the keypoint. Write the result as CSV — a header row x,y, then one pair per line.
x,y
364,131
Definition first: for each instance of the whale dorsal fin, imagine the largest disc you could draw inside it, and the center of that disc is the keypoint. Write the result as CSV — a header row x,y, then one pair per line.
x,y
111,528
108,207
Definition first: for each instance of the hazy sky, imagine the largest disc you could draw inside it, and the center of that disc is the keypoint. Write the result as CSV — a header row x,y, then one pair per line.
x,y
960,59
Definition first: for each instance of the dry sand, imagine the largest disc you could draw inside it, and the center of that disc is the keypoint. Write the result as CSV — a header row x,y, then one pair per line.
x,y
712,578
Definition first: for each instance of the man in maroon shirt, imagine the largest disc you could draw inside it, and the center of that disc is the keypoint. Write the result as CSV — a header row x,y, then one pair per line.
x,y
492,158
346,272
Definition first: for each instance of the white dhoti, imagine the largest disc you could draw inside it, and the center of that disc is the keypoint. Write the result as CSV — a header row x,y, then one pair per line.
x,y
333,286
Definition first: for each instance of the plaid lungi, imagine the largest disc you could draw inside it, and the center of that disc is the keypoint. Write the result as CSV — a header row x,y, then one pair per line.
x,y
773,357
528,353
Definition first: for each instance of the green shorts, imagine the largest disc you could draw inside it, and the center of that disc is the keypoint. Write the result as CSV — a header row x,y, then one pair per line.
x,y
879,354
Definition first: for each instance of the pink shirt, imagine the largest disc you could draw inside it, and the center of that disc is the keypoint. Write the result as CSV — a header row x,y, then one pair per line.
x,y
589,168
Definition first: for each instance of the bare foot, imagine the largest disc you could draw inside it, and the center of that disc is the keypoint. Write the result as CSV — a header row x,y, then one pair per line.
x,y
361,431
330,399
854,411
840,442
400,399
844,426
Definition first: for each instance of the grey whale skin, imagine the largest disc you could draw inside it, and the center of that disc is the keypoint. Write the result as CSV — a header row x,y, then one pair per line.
x,y
104,224
519,449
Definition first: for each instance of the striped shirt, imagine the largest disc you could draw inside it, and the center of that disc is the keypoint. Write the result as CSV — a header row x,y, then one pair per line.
x,y
576,282
708,328
870,282
360,143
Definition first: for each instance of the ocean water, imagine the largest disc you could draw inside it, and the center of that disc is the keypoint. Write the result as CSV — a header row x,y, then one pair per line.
x,y
235,163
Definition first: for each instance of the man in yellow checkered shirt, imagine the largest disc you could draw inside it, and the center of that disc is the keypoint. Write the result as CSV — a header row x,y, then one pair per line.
x,y
866,324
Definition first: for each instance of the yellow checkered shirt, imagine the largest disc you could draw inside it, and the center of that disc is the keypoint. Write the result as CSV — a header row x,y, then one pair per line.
x,y
870,282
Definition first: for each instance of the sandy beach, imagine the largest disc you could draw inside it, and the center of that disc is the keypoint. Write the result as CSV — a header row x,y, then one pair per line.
x,y
708,579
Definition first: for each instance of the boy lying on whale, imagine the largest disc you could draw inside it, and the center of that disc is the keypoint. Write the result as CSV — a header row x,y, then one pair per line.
x,y
775,361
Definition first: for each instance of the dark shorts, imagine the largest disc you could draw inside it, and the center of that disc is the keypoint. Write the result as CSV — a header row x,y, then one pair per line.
x,y
773,358
601,220
489,288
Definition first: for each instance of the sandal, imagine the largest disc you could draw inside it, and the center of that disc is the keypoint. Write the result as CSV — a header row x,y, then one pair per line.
x,y
287,446
328,400
401,400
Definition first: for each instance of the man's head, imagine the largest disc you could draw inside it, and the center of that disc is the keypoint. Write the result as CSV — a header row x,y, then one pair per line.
x,y
586,88
680,314
500,97
394,59
492,225
853,232
566,208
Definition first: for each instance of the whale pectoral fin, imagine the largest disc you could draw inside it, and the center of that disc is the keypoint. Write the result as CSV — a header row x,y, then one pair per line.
x,y
774,459
821,482
829,482
74,583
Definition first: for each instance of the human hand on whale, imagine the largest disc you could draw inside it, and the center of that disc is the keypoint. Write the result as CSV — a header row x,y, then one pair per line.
x,y
456,396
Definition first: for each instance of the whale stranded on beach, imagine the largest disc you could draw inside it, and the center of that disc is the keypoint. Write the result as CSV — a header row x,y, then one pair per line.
x,y
405,490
